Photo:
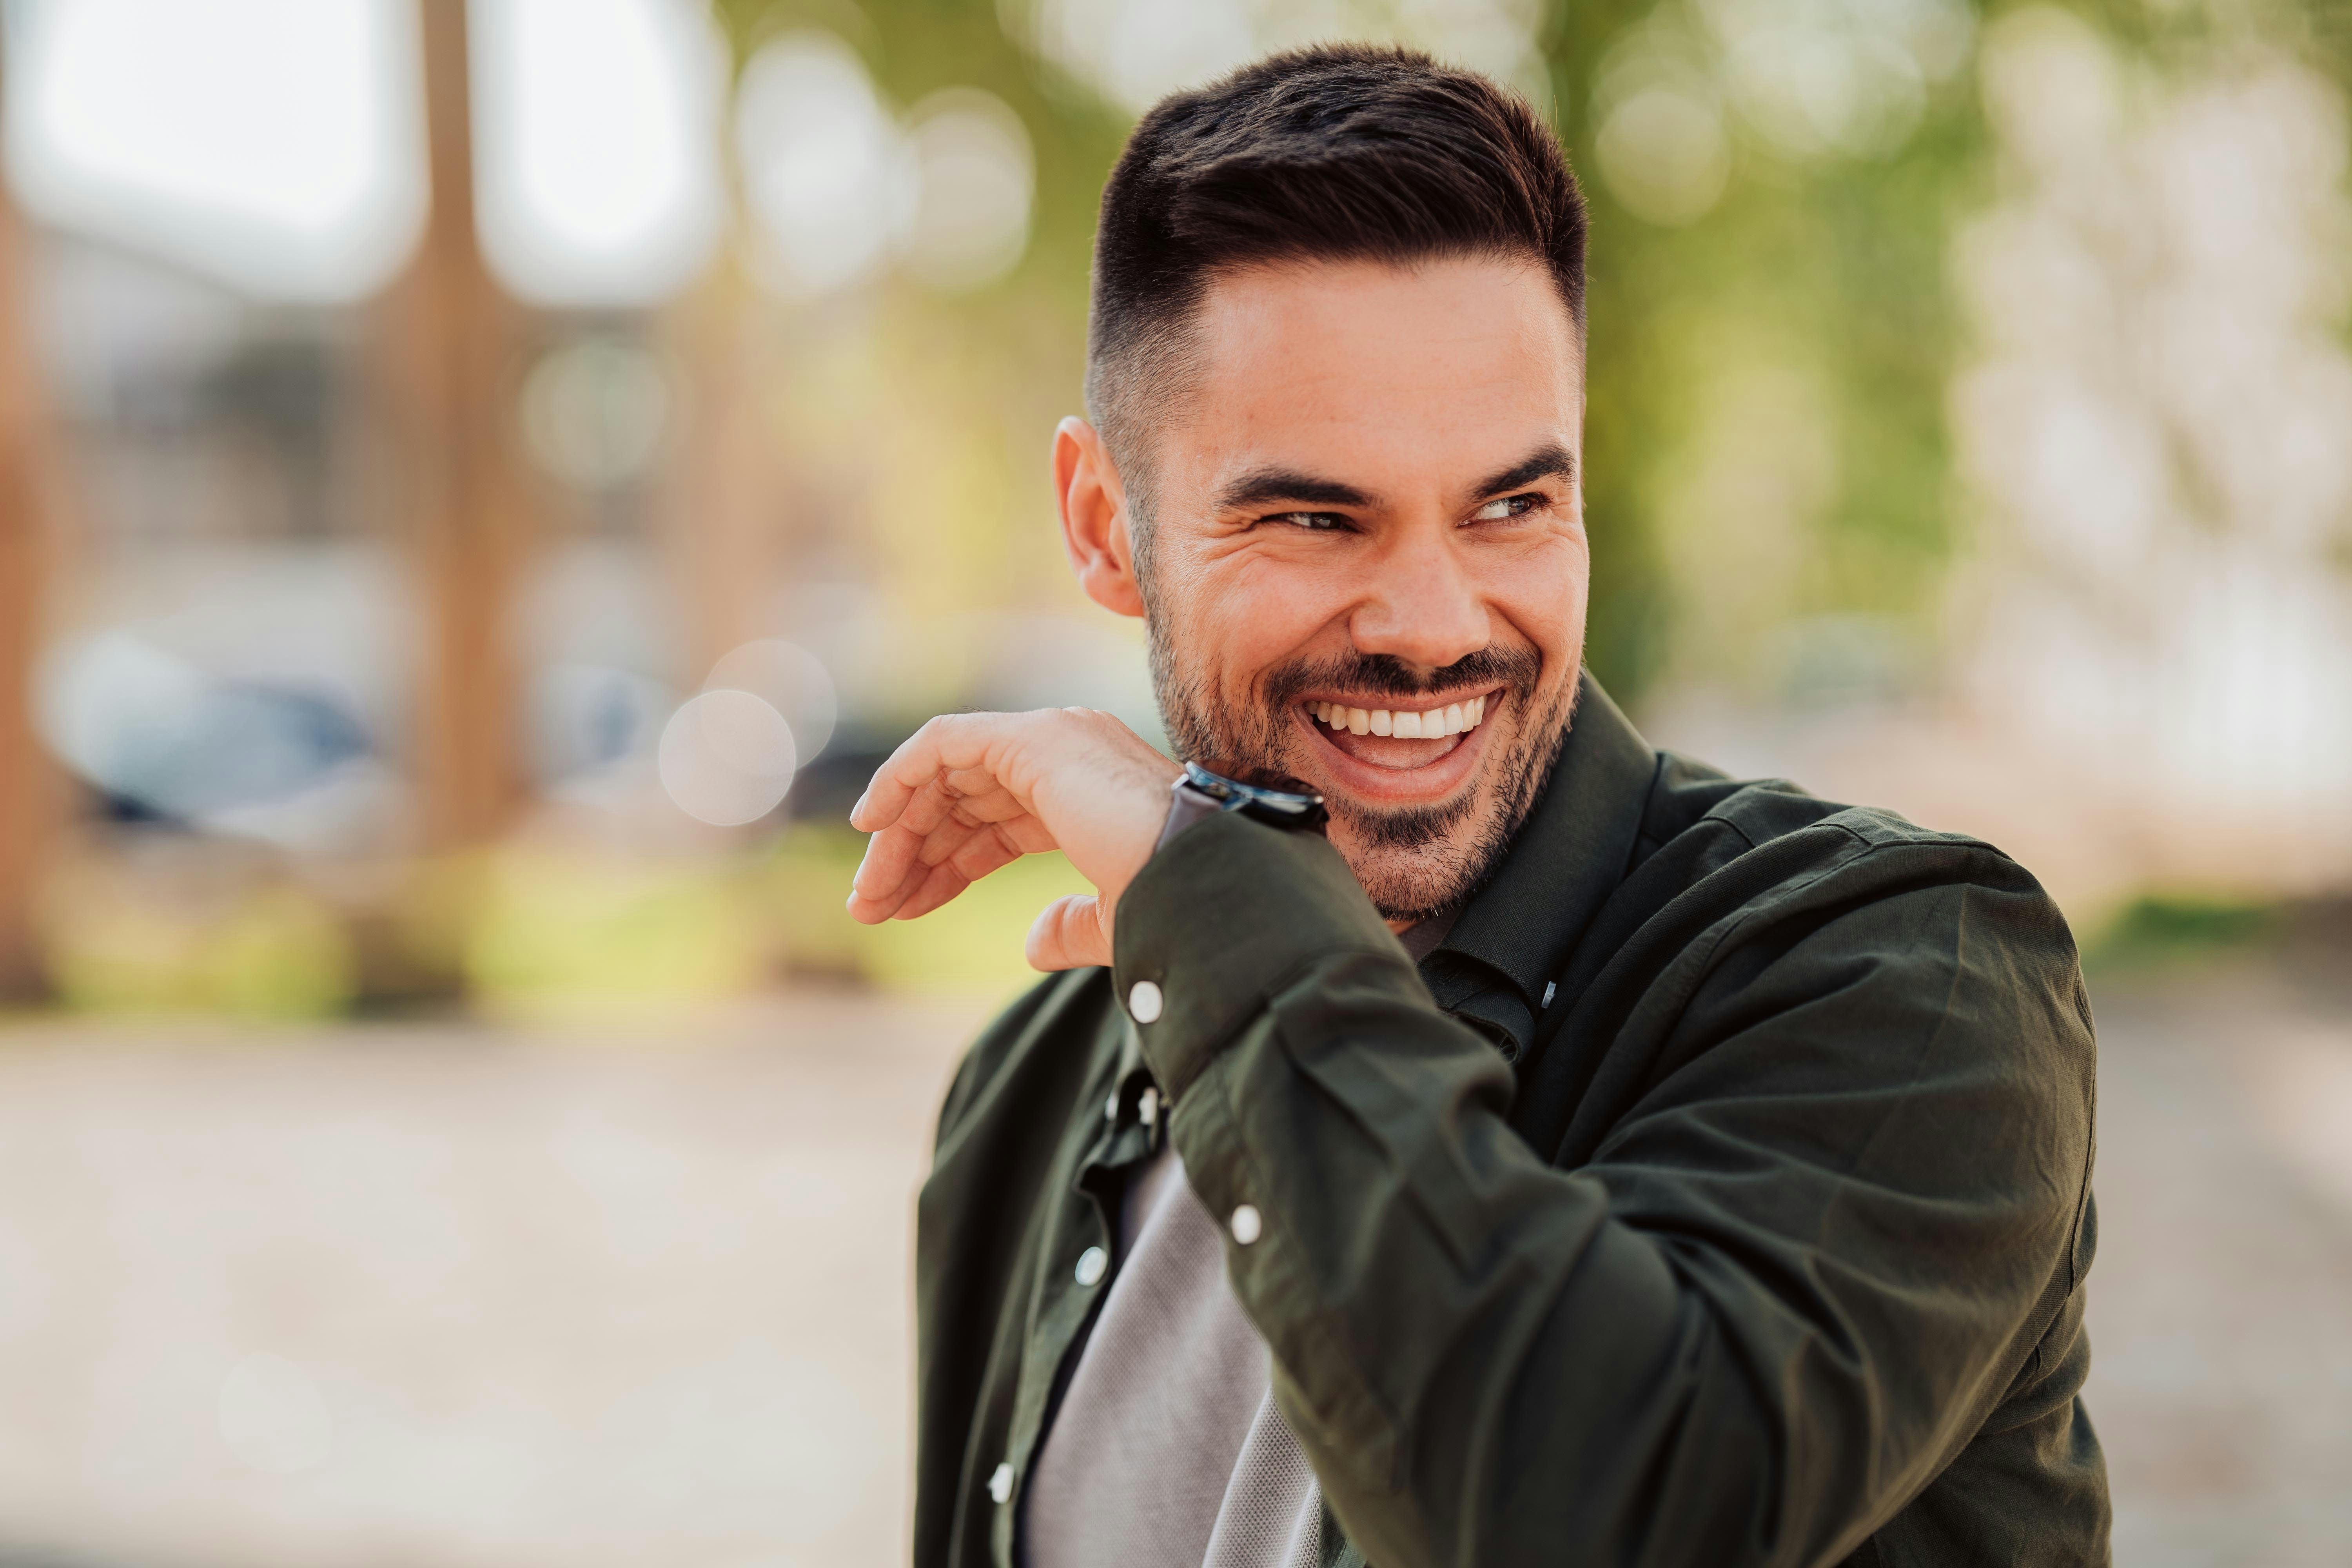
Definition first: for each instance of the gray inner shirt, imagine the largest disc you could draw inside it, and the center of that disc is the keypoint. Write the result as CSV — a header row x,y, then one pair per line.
x,y
1167,1451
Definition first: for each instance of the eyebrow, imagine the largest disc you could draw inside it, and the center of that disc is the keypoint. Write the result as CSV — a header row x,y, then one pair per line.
x,y
1288,484
1550,460
1266,486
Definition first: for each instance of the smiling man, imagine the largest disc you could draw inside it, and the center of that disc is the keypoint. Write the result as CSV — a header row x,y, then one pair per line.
x,y
1461,1133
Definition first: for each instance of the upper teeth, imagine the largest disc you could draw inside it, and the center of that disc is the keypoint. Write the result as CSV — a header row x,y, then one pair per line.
x,y
1450,719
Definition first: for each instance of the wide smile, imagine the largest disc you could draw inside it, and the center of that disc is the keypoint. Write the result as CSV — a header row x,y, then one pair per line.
x,y
1411,753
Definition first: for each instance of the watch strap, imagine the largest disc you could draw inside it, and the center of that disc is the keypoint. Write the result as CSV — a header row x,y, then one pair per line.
x,y
1200,792
1186,806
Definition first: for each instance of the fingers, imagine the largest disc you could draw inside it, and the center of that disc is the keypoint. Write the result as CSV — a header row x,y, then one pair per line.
x,y
888,872
953,743
935,886
946,840
969,793
898,864
964,794
985,851
941,817
1069,933
919,821
900,877
885,878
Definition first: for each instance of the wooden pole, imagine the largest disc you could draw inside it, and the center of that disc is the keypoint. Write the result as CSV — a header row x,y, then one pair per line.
x,y
30,795
455,342
721,510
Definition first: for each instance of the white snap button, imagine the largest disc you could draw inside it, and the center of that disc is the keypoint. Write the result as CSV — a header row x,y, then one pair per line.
x,y
1143,1002
1147,1106
1000,1484
1091,1264
1246,1225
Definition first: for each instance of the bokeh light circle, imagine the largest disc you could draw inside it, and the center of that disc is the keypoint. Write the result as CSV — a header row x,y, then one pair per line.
x,y
727,758
788,678
826,173
1665,156
975,180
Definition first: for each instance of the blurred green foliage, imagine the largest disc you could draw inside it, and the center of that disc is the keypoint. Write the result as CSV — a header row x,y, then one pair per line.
x,y
1830,272
1768,477
2167,931
561,933
264,951
972,945
1827,273
1817,282
1766,461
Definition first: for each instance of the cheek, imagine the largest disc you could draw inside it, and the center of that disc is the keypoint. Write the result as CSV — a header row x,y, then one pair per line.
x,y
1544,595
1251,611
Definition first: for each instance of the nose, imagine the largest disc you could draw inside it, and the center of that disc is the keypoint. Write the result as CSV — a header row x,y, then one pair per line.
x,y
1421,606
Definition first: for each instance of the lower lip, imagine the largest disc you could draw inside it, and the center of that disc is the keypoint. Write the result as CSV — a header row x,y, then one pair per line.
x,y
1430,782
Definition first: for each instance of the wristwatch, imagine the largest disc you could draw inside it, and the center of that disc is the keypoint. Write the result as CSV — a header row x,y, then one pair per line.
x,y
1201,793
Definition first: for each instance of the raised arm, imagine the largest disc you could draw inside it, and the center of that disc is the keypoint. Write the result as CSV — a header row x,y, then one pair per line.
x,y
1827,1240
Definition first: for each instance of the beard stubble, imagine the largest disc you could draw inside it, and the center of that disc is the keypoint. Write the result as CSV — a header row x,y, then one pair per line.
x,y
1414,862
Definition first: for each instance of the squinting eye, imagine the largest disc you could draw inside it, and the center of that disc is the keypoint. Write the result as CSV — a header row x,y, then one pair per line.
x,y
1503,511
1320,521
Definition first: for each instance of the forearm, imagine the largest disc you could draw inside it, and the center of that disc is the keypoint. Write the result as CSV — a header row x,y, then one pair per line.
x,y
1481,1356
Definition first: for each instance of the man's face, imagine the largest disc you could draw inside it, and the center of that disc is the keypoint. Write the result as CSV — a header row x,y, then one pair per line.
x,y
1370,508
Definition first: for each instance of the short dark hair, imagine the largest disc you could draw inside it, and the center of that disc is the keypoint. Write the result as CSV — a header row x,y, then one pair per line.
x,y
1340,152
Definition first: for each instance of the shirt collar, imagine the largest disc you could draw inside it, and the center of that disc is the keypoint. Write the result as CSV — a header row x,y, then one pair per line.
x,y
1496,964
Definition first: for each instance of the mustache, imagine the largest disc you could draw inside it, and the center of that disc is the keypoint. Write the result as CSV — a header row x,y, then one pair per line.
x,y
1516,669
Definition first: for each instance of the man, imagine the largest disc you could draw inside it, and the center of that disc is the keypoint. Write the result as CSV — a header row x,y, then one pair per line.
x,y
1577,1156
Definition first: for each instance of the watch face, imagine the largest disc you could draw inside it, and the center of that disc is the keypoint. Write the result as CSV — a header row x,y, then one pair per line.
x,y
1253,781
1293,806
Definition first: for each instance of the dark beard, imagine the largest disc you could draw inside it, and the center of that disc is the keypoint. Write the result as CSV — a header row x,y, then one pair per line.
x,y
1408,862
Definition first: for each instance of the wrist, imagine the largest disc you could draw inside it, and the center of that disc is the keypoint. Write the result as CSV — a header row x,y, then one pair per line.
x,y
1218,920
1198,793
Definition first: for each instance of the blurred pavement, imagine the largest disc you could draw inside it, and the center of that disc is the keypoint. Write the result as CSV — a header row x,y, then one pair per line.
x,y
449,1295
454,1295
2222,1301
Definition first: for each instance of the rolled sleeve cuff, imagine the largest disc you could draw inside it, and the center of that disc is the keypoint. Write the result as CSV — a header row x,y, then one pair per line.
x,y
1217,920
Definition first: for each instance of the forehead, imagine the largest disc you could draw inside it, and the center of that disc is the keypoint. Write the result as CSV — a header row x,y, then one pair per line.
x,y
1389,377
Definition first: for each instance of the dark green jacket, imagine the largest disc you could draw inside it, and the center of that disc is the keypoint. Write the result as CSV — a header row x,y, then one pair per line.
x,y
1719,1192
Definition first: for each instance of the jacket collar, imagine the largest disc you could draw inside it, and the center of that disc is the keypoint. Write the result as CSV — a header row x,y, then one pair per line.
x,y
1516,933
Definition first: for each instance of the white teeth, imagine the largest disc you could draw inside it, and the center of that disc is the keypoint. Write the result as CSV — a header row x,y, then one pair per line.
x,y
1451,720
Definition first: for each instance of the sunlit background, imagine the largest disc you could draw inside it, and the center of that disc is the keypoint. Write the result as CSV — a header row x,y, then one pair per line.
x,y
483,481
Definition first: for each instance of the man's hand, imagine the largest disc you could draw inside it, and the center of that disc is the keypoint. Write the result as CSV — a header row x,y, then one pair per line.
x,y
971,791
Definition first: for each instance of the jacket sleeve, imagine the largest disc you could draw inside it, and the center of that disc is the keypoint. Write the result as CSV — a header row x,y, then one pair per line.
x,y
1790,1284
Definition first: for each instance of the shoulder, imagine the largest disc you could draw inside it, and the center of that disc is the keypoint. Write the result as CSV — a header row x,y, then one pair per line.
x,y
1033,1046
1753,897
1760,844
1897,998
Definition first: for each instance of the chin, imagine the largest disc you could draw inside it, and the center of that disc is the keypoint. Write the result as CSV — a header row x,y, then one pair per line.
x,y
1413,880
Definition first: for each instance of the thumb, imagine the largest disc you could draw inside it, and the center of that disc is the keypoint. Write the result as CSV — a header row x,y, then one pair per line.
x,y
1069,933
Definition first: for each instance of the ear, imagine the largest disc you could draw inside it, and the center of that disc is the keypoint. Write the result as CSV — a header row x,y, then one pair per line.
x,y
1094,518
